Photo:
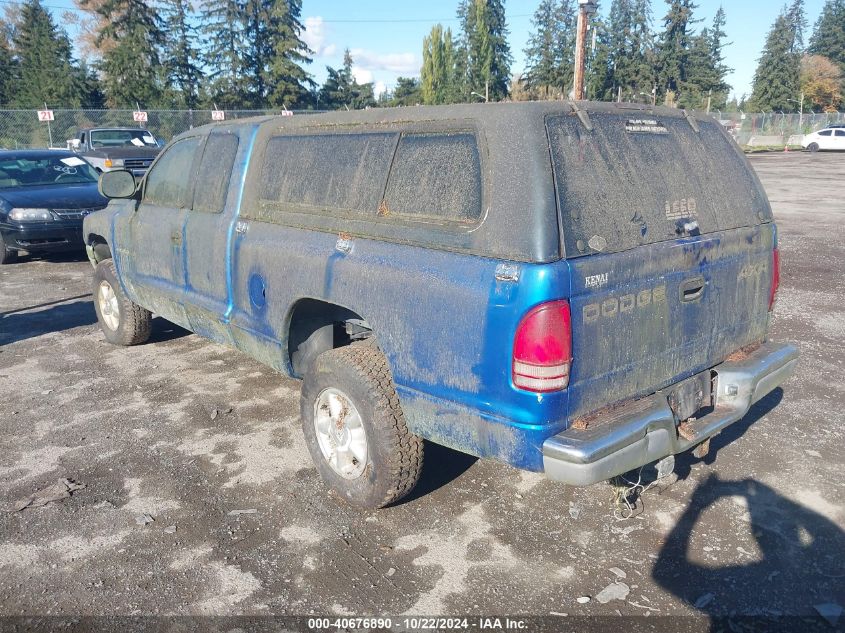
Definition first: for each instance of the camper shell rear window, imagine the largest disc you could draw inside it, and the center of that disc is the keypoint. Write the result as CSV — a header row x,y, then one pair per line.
x,y
636,179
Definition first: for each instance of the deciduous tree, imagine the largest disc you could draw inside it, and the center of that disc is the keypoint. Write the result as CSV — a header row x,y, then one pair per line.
x,y
821,83
438,67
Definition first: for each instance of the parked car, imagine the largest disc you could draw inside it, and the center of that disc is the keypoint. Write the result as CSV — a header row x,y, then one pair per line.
x,y
830,138
44,195
572,289
110,148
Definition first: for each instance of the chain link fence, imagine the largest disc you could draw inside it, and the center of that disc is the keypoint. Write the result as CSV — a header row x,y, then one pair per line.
x,y
774,129
22,129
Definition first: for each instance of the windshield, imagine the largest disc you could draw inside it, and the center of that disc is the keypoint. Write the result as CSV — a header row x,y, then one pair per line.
x,y
122,138
46,170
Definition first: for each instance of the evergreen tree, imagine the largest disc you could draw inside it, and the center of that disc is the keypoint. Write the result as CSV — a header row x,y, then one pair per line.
x,y
181,54
222,26
44,68
828,38
341,90
798,20
777,79
287,82
272,54
488,55
438,66
406,93
551,48
8,66
674,46
131,64
92,90
598,80
631,55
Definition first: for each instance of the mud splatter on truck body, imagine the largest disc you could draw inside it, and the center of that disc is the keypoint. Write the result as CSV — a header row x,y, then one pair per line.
x,y
437,230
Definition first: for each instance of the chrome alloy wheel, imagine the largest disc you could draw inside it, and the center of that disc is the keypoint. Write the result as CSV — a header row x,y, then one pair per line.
x,y
340,433
109,307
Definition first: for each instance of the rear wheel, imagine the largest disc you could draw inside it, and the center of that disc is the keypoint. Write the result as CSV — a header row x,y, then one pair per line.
x,y
813,147
122,322
355,429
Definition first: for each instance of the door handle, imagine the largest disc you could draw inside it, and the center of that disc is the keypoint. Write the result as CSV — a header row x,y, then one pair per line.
x,y
692,289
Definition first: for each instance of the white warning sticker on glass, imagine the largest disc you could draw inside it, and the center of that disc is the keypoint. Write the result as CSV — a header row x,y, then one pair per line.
x,y
72,161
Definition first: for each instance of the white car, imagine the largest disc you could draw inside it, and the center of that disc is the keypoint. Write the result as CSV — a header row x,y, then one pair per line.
x,y
830,138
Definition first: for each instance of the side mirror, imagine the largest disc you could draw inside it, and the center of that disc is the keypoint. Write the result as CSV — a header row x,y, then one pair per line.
x,y
119,183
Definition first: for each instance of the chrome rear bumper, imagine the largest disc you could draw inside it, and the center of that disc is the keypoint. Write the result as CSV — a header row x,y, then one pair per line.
x,y
646,430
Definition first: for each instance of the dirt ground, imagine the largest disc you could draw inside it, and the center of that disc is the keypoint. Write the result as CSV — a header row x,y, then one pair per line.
x,y
187,431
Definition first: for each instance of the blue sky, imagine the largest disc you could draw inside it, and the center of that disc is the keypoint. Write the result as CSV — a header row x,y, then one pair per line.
x,y
386,36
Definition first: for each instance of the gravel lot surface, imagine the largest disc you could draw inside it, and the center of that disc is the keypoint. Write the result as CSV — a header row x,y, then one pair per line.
x,y
187,432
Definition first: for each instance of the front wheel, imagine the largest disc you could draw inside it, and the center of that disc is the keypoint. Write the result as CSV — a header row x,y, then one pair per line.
x,y
355,429
122,322
813,147
7,256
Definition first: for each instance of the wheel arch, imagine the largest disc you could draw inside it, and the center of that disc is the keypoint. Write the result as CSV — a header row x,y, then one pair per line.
x,y
315,326
98,248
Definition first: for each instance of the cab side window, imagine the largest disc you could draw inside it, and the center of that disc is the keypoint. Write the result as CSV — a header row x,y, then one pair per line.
x,y
214,173
840,132
826,133
169,182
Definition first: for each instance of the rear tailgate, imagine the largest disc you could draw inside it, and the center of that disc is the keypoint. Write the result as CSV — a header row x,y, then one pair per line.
x,y
669,240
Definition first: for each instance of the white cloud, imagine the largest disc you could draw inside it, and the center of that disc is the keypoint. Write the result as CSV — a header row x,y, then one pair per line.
x,y
379,88
315,37
362,75
400,63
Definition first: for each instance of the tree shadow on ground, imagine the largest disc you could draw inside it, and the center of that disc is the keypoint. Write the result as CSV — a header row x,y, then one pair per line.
x,y
19,325
798,563
66,314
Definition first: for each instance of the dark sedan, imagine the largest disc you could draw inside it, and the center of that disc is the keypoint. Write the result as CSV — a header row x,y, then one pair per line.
x,y
44,195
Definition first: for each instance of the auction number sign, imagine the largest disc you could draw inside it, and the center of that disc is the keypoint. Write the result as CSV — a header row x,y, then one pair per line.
x,y
45,115
139,116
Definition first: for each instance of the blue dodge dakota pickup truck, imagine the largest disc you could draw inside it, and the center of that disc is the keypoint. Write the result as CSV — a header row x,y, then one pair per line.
x,y
572,288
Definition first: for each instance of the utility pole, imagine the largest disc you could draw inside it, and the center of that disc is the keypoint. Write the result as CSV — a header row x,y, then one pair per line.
x,y
585,9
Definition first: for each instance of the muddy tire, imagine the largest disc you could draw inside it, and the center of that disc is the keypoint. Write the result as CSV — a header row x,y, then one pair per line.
x,y
355,429
7,256
813,147
122,322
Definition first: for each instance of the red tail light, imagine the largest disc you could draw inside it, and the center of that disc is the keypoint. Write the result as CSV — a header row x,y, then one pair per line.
x,y
542,348
775,278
